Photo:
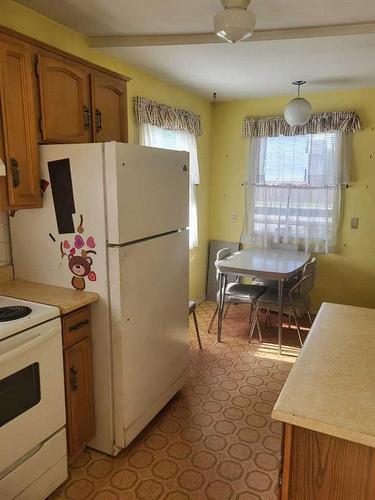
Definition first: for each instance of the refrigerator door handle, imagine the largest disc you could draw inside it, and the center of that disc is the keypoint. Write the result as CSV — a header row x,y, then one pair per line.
x,y
141,240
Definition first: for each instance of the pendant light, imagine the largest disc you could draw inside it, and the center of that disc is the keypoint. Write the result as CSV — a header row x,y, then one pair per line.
x,y
298,110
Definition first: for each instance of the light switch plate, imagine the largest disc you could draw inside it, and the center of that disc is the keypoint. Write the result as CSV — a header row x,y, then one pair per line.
x,y
354,222
233,216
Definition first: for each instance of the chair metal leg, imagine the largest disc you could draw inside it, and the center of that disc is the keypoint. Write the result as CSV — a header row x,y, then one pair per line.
x,y
309,315
267,320
253,322
259,330
197,329
213,319
250,313
297,325
289,321
226,310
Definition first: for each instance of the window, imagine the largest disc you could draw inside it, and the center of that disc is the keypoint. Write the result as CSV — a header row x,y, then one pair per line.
x,y
293,190
181,141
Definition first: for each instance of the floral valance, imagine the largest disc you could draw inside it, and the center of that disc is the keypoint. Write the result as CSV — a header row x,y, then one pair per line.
x,y
272,126
163,116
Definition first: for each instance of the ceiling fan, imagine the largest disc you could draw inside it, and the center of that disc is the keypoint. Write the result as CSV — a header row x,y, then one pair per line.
x,y
233,24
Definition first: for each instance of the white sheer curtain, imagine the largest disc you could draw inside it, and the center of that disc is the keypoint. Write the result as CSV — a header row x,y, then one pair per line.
x,y
293,190
179,140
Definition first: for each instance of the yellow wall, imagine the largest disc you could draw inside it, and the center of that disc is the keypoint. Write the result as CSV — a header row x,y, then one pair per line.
x,y
28,22
349,275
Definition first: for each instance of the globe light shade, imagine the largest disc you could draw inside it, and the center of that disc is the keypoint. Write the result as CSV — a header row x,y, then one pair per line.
x,y
297,112
234,25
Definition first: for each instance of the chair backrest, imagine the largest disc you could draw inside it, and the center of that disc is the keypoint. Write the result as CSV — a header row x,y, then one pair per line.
x,y
308,276
221,254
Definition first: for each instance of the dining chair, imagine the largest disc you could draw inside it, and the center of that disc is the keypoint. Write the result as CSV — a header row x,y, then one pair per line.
x,y
192,308
288,284
296,302
236,292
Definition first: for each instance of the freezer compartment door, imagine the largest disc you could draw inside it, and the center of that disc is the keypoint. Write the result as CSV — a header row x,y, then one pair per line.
x,y
149,328
147,191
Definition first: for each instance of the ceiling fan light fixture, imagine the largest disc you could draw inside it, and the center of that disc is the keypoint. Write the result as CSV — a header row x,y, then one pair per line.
x,y
298,110
234,24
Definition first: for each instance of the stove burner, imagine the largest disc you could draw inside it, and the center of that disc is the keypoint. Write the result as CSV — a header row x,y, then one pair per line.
x,y
11,313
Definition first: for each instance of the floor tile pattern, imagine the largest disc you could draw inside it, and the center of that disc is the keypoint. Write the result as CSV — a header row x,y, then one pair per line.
x,y
214,441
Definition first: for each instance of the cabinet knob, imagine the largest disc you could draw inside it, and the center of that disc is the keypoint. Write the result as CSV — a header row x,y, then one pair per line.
x,y
15,172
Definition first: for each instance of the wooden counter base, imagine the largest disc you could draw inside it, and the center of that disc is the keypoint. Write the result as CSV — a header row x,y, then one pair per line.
x,y
321,467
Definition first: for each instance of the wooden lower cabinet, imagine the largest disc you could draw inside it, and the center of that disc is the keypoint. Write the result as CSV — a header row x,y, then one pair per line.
x,y
79,390
317,466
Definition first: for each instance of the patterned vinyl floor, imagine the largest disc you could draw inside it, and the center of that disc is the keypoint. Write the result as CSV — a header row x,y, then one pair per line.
x,y
214,441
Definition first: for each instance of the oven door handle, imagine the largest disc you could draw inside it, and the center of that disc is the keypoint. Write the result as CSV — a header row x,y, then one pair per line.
x,y
27,346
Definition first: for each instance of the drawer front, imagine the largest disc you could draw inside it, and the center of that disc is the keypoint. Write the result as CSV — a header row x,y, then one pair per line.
x,y
76,326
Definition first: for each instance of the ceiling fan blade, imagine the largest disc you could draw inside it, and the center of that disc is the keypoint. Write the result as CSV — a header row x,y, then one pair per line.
x,y
207,38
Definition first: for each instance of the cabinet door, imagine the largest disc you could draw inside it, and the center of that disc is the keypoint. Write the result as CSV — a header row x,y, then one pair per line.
x,y
3,180
19,125
64,91
79,395
322,467
109,108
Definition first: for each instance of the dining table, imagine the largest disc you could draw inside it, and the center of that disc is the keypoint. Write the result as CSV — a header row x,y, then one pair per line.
x,y
274,264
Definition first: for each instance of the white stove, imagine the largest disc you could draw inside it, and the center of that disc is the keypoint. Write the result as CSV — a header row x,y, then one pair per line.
x,y
39,313
33,458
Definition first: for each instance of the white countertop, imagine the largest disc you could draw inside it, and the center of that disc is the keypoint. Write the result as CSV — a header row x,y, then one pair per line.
x,y
266,262
331,387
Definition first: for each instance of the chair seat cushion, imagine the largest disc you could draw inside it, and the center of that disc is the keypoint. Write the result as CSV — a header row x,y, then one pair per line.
x,y
239,292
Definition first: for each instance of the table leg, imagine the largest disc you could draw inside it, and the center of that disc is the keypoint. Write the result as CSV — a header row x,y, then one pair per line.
x,y
222,285
219,306
280,314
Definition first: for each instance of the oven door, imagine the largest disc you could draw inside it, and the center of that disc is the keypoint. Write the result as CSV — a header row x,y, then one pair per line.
x,y
32,404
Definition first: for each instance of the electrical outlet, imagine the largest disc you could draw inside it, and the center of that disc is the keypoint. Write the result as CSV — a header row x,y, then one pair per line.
x,y
354,222
233,216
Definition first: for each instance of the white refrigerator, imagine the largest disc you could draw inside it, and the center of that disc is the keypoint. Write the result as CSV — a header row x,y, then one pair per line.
x,y
115,221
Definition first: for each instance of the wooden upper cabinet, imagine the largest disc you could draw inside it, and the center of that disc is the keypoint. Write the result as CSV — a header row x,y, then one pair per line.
x,y
109,104
48,96
64,90
20,135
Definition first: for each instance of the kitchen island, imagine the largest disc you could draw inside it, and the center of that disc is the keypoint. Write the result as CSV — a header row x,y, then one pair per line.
x,y
328,409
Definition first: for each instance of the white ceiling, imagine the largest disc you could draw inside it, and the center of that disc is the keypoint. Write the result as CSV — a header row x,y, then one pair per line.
x,y
233,71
